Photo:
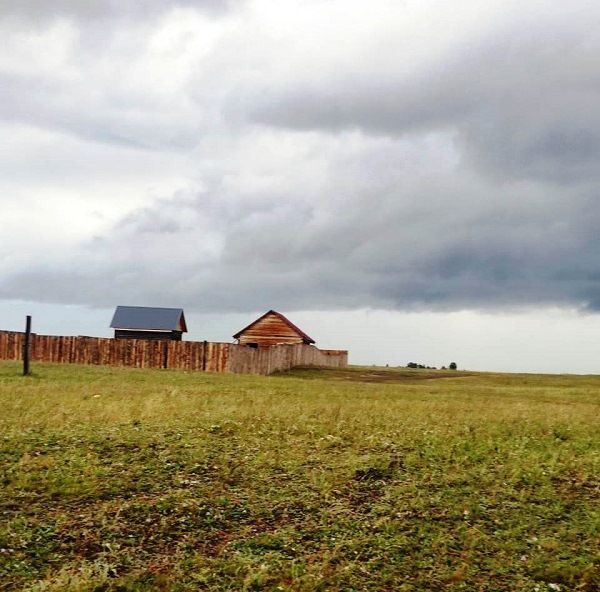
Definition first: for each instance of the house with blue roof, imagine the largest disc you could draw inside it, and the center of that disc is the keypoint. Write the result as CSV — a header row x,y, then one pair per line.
x,y
145,322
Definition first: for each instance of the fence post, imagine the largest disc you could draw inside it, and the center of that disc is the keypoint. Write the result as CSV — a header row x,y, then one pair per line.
x,y
26,345
204,355
165,354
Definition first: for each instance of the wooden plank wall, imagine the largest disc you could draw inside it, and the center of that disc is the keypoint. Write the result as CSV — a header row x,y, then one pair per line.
x,y
269,330
278,358
183,355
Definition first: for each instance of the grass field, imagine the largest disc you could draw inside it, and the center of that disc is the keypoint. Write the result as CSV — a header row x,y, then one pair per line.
x,y
124,479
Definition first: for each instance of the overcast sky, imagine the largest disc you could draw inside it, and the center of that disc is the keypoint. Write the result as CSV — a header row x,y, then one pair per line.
x,y
412,180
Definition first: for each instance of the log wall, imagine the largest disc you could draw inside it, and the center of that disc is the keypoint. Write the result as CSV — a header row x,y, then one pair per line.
x,y
269,330
183,355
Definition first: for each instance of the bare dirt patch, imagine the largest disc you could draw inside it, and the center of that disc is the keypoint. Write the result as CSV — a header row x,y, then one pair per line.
x,y
375,374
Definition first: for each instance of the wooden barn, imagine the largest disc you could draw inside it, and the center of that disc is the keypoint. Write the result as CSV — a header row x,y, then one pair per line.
x,y
271,329
144,322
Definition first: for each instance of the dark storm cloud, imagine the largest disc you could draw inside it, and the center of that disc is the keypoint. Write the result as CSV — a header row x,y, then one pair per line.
x,y
470,182
396,253
523,101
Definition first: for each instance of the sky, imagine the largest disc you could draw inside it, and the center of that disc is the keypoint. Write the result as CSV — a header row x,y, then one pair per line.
x,y
410,180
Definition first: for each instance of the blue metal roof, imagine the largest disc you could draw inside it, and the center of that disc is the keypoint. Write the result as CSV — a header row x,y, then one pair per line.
x,y
149,318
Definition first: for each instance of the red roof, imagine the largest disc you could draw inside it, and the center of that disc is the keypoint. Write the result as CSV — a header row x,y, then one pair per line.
x,y
289,323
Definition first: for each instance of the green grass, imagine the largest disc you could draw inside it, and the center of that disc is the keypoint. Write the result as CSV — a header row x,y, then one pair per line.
x,y
124,479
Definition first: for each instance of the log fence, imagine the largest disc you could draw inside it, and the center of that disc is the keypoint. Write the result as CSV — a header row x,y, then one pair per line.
x,y
183,355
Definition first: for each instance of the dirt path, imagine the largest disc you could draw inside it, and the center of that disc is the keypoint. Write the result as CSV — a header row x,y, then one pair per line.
x,y
376,374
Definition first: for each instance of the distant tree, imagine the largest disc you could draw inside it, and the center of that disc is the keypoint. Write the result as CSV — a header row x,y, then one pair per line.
x,y
412,365
452,366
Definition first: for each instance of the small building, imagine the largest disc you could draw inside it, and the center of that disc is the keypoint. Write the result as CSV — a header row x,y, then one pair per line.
x,y
271,329
145,322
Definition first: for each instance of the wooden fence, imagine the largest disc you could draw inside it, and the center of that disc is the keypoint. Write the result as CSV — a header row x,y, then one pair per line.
x,y
184,355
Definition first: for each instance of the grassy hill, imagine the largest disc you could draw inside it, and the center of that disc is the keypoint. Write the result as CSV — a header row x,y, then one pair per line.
x,y
362,479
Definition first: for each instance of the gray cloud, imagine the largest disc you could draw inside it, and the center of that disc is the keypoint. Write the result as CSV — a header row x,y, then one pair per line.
x,y
100,71
104,119
41,10
523,100
468,181
401,251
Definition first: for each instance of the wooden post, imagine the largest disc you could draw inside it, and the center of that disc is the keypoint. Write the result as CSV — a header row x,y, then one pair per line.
x,y
165,361
26,345
204,355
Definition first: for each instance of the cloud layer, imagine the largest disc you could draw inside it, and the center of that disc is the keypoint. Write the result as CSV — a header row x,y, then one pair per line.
x,y
317,155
